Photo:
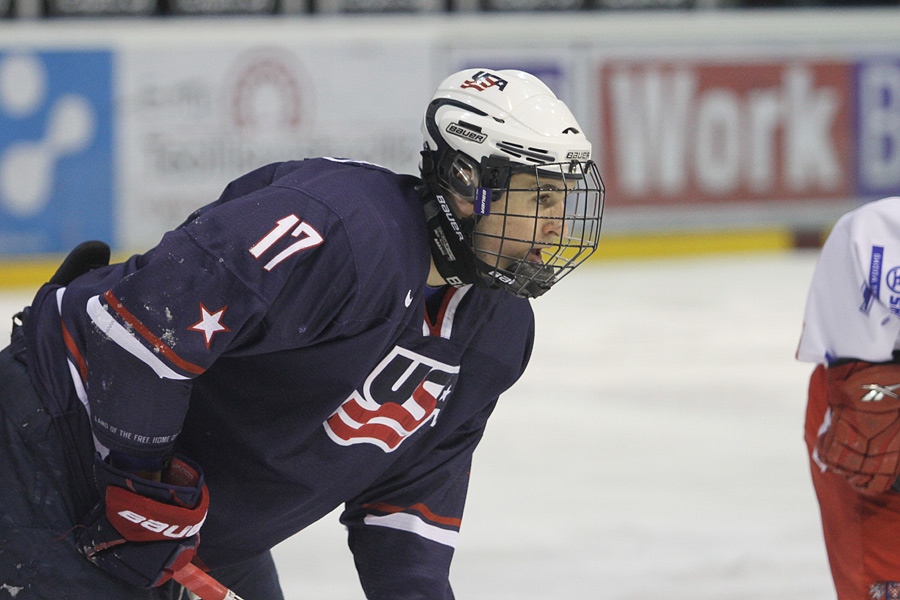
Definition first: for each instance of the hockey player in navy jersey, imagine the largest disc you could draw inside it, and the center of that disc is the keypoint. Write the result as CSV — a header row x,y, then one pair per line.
x,y
326,333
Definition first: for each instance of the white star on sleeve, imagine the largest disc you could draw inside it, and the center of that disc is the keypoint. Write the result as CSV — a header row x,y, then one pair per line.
x,y
209,323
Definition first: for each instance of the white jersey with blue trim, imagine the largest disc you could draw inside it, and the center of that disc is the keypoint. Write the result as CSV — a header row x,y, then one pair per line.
x,y
853,307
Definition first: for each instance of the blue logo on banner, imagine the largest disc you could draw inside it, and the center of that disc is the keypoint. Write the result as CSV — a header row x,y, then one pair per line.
x,y
878,127
55,150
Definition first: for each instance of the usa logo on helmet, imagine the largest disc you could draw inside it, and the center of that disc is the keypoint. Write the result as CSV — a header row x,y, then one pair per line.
x,y
483,80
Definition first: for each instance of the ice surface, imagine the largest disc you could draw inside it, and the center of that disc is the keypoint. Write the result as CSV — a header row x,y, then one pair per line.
x,y
653,449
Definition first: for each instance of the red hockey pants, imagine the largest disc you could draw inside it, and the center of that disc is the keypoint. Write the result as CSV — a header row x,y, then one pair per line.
x,y
862,534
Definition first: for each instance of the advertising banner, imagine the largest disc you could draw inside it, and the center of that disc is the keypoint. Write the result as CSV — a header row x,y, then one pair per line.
x,y
221,7
122,142
877,88
56,149
374,6
193,119
701,132
70,8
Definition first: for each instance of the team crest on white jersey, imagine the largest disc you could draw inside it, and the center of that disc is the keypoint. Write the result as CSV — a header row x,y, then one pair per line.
x,y
404,392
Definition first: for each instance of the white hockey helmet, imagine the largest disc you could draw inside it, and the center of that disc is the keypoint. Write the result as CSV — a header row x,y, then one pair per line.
x,y
480,128
506,114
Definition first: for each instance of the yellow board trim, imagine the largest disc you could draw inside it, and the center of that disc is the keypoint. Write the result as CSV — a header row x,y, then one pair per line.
x,y
34,270
15,272
668,244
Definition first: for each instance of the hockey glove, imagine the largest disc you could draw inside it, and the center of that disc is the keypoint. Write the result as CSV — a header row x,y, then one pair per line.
x,y
862,442
143,531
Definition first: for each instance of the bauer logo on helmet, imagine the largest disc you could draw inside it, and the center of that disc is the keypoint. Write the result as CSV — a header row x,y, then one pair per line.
x,y
466,132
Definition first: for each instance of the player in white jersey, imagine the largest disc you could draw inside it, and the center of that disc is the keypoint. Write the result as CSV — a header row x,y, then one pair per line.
x,y
852,331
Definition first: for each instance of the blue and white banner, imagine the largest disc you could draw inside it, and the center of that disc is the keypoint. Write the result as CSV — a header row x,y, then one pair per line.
x,y
56,150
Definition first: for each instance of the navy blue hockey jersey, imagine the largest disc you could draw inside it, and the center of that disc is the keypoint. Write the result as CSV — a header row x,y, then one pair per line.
x,y
280,338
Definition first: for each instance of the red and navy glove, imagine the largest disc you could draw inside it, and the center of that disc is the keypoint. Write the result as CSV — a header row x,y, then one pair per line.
x,y
143,531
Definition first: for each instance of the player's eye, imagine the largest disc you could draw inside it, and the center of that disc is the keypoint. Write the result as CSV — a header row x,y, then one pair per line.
x,y
549,200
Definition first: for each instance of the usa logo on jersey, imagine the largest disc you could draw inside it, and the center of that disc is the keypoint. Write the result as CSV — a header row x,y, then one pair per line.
x,y
404,392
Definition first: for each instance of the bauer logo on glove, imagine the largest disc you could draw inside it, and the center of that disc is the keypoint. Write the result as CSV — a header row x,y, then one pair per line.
x,y
135,511
179,522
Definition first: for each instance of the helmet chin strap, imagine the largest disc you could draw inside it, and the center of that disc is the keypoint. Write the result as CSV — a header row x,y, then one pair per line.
x,y
527,280
452,247
449,237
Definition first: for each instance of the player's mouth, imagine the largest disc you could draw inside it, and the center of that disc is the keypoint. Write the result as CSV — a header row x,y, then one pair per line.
x,y
535,256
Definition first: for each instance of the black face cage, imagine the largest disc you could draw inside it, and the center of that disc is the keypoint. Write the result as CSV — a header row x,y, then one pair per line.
x,y
546,223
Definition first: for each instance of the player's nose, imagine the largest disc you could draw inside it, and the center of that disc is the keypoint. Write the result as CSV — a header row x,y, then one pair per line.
x,y
555,227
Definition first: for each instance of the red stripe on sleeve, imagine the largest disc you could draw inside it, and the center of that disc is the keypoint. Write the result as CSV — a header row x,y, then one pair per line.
x,y
148,335
419,508
70,344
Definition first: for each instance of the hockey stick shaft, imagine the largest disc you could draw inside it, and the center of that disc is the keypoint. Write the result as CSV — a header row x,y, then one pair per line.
x,y
205,586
